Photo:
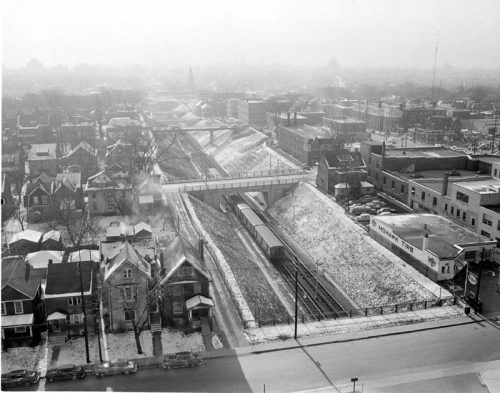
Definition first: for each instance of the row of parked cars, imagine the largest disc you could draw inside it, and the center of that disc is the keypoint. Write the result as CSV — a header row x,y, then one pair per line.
x,y
367,206
70,371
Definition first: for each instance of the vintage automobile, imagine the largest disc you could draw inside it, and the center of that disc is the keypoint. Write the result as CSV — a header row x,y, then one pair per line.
x,y
120,366
20,378
66,371
181,359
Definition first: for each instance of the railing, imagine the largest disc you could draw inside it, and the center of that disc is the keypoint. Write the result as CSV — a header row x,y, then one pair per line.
x,y
240,185
366,312
235,175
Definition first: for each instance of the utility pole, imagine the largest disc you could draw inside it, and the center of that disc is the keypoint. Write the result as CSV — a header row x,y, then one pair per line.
x,y
494,134
83,308
296,297
476,306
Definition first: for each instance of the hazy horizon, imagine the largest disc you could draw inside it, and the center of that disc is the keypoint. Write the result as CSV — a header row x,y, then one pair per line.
x,y
383,33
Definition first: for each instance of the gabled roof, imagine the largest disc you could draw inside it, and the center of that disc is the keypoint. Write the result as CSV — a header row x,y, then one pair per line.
x,y
127,254
179,252
70,180
119,144
181,108
123,122
28,235
83,146
142,226
101,179
51,235
189,116
40,259
20,276
64,279
84,255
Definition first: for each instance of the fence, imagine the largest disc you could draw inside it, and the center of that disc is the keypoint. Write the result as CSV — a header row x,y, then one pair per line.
x,y
365,312
234,175
223,186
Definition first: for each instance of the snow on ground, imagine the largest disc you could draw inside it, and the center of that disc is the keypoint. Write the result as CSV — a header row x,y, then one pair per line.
x,y
73,352
176,341
348,325
241,151
20,358
123,346
345,251
253,283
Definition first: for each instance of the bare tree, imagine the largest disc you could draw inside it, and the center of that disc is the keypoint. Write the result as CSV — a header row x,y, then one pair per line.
x,y
275,109
19,213
122,201
76,224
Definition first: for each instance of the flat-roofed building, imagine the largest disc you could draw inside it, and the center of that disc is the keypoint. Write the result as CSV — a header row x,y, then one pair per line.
x,y
353,129
305,143
252,112
434,245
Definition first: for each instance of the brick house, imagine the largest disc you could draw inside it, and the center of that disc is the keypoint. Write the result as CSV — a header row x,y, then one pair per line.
x,y
126,280
186,301
64,301
23,309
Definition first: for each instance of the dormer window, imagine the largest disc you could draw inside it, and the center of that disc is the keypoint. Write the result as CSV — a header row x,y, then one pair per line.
x,y
127,273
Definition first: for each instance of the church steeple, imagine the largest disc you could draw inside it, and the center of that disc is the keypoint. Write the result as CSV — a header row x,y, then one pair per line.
x,y
191,78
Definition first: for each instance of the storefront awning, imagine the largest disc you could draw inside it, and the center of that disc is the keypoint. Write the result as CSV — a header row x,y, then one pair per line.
x,y
55,316
199,301
17,320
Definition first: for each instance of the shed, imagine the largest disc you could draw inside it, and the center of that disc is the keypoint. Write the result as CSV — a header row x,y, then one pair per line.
x,y
52,240
25,242
41,259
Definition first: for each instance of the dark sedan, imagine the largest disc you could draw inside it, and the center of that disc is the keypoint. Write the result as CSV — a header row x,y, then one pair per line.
x,y
67,371
19,378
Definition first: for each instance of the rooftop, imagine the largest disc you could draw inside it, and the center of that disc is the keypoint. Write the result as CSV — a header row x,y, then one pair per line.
x,y
436,184
486,186
429,152
443,233
310,132
40,259
123,122
344,119
42,151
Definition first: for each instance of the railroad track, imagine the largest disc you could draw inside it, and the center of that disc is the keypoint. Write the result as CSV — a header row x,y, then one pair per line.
x,y
315,298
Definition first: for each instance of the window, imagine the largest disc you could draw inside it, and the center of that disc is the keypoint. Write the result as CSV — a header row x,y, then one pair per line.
x,y
197,287
443,269
44,199
458,212
452,210
413,191
75,318
74,300
177,308
495,172
448,269
20,329
4,309
18,307
484,233
423,195
464,216
445,207
473,222
127,273
393,184
470,255
462,197
383,180
186,271
402,189
176,290
487,220
434,201
498,241
129,293
129,315
35,200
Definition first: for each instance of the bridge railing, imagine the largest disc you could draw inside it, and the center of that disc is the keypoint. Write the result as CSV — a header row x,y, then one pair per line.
x,y
234,175
223,186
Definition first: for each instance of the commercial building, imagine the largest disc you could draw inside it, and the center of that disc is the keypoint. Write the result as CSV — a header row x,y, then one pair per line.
x,y
252,112
433,245
353,129
305,143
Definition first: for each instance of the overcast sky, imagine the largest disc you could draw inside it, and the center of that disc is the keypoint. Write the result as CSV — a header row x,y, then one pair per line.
x,y
357,33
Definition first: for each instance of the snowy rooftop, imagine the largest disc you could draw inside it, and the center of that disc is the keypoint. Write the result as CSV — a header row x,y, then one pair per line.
x,y
309,132
443,233
28,234
40,259
84,255
487,186
52,235
424,153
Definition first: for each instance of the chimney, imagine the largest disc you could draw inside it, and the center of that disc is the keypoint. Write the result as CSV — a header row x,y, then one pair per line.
x,y
425,243
288,119
445,184
200,249
50,261
295,118
383,149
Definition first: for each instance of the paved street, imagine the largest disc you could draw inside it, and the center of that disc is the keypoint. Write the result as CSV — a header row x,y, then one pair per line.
x,y
379,362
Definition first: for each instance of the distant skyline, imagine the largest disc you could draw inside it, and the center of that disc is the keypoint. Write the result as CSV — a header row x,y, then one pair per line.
x,y
384,33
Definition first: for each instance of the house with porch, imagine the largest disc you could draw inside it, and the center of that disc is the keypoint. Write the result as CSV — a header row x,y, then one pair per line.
x,y
108,195
64,301
126,288
185,301
23,308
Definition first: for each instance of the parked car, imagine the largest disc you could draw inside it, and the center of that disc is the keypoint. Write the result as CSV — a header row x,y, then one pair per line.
x,y
383,210
66,371
120,366
19,378
181,359
365,217
385,214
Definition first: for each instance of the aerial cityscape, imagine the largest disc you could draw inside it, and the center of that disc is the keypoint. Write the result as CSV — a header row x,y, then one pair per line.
x,y
265,197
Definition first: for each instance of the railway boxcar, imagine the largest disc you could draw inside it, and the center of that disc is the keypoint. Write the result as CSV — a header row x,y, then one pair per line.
x,y
248,217
272,246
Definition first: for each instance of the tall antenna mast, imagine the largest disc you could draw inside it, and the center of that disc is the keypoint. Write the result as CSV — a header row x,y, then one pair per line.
x,y
434,71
